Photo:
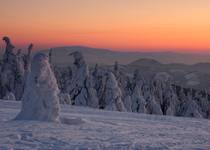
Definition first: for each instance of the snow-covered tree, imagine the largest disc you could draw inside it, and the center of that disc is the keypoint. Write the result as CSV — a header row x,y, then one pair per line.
x,y
9,96
121,77
127,103
92,99
138,101
40,99
19,75
152,106
81,89
127,97
65,98
191,109
8,69
99,82
63,76
171,102
27,60
14,70
113,94
50,56
80,72
165,94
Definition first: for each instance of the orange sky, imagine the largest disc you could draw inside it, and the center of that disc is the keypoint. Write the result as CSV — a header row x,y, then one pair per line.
x,y
155,25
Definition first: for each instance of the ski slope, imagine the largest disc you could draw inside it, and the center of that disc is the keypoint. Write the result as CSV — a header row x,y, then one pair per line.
x,y
84,128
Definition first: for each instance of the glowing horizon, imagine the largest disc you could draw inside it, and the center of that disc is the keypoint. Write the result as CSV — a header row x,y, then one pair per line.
x,y
150,25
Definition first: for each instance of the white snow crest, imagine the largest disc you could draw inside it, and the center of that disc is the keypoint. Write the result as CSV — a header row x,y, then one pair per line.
x,y
40,99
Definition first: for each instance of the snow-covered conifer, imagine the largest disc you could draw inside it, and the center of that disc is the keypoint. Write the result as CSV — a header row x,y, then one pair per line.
x,y
113,94
81,89
40,99
65,98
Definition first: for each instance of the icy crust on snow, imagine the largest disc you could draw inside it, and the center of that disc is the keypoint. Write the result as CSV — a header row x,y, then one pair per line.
x,y
86,128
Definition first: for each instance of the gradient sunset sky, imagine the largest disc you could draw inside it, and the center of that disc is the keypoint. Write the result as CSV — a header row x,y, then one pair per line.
x,y
146,25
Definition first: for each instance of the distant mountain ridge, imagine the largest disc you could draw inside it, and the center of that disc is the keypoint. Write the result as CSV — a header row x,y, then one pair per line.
x,y
146,62
183,74
108,57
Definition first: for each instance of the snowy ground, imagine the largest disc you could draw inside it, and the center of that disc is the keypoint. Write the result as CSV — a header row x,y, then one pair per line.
x,y
85,128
